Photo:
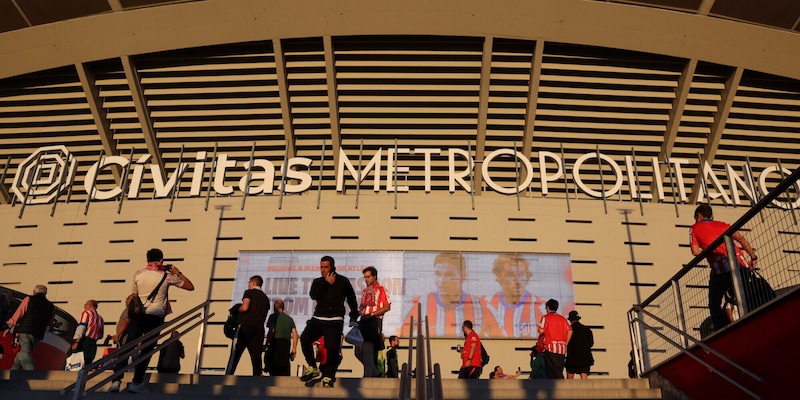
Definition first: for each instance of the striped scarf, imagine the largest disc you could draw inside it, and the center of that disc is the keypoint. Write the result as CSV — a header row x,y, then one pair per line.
x,y
367,298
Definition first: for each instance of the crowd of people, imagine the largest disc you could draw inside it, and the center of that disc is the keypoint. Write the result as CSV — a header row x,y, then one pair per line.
x,y
274,337
563,343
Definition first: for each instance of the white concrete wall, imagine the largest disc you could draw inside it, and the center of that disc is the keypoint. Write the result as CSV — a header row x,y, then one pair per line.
x,y
94,256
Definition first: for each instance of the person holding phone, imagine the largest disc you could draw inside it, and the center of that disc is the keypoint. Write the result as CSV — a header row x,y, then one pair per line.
x,y
330,291
499,374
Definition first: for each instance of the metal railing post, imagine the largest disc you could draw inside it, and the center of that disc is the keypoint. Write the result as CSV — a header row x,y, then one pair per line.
x,y
31,185
636,341
321,170
429,370
437,386
676,293
566,177
212,175
404,375
92,188
738,285
422,392
602,184
358,179
201,340
471,166
132,348
636,187
249,175
124,181
284,172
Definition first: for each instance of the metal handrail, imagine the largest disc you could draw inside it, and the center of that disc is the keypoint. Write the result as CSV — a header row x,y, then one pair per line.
x,y
434,372
697,342
427,374
420,376
132,349
405,376
634,322
438,389
405,372
736,226
699,360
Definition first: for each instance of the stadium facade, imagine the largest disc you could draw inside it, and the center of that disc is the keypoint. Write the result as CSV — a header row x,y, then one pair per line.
x,y
216,129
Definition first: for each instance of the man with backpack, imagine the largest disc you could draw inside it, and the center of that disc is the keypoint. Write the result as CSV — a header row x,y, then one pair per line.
x,y
471,353
151,286
252,315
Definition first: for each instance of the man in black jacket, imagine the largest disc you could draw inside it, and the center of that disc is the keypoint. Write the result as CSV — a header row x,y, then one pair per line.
x,y
330,292
579,348
31,320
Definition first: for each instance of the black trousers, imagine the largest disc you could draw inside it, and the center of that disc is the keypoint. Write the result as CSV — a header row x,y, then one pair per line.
x,y
718,286
555,364
138,328
276,358
331,331
252,339
470,373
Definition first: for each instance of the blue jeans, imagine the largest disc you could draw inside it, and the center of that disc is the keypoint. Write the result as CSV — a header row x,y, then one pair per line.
x,y
24,358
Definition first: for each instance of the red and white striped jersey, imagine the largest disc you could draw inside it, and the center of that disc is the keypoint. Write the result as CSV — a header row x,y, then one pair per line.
x,y
513,321
556,331
446,321
93,323
381,298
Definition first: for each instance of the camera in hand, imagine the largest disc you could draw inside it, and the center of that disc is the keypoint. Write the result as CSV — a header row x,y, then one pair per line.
x,y
168,267
459,348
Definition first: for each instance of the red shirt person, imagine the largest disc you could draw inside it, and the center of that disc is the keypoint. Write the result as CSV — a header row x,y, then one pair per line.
x,y
557,333
470,354
704,231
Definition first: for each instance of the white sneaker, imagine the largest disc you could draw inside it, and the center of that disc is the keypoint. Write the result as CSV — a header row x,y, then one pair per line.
x,y
114,386
137,388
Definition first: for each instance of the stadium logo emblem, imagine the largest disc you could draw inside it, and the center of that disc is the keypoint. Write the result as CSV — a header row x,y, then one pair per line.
x,y
44,175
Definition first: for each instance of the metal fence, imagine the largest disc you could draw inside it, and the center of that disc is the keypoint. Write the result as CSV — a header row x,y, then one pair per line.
x,y
676,316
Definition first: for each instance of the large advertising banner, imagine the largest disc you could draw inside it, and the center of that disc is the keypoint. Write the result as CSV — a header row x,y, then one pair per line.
x,y
503,294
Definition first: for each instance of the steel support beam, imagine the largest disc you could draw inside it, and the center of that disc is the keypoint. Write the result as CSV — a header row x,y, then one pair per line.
x,y
283,92
717,128
483,113
705,7
92,92
115,5
140,103
333,103
533,98
675,115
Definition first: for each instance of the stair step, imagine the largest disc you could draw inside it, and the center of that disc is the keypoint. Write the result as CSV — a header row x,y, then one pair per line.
x,y
553,394
545,384
45,385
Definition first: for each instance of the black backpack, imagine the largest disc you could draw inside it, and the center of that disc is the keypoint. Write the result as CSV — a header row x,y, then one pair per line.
x,y
484,356
232,322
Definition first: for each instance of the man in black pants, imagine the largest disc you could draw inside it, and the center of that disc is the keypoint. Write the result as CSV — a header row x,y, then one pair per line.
x,y
330,292
145,282
252,314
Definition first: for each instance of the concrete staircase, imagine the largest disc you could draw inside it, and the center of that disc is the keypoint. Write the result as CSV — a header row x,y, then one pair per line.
x,y
45,385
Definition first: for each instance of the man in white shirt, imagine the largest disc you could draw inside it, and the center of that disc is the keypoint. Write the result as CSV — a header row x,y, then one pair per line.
x,y
145,282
